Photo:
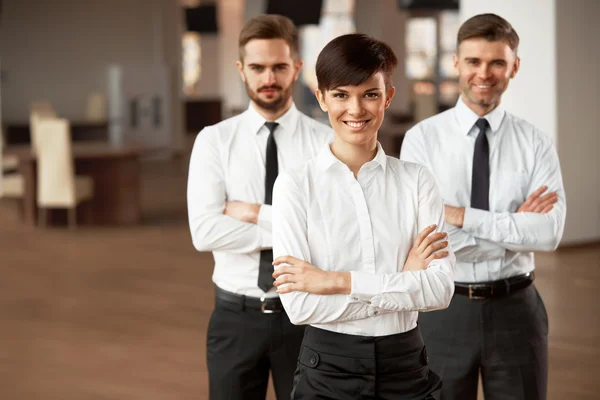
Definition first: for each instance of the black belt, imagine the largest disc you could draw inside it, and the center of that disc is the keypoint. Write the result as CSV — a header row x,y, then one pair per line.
x,y
486,290
265,305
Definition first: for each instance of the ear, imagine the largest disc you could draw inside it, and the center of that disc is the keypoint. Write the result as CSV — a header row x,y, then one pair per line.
x,y
321,99
389,96
297,66
455,61
516,67
240,66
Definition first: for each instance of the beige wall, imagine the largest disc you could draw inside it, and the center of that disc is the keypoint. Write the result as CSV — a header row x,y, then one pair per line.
x,y
59,49
578,94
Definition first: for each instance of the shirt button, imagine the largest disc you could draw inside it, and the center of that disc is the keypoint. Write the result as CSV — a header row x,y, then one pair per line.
x,y
355,298
313,361
368,302
376,312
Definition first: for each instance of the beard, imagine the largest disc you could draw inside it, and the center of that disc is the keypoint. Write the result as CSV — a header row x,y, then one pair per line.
x,y
276,103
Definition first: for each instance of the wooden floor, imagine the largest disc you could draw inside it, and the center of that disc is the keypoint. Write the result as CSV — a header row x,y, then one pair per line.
x,y
105,313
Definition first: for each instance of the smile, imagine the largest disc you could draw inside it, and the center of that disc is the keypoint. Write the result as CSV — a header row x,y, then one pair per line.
x,y
356,124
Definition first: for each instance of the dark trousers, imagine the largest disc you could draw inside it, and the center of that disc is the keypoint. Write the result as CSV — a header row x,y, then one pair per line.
x,y
336,366
504,338
243,346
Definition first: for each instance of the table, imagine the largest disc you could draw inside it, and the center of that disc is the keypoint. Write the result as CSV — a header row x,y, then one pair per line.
x,y
18,132
116,174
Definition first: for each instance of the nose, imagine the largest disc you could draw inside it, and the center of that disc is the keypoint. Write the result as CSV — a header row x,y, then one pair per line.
x,y
355,107
269,77
484,71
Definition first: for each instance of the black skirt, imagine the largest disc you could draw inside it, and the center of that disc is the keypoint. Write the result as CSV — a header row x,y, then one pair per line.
x,y
339,366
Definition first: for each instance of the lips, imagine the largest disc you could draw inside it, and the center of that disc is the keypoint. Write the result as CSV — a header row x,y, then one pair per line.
x,y
356,125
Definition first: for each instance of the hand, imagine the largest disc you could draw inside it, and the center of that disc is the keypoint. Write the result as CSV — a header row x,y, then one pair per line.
x,y
454,215
424,249
244,212
539,204
300,276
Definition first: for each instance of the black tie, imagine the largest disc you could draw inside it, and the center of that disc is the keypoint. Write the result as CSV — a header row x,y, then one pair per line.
x,y
480,183
265,271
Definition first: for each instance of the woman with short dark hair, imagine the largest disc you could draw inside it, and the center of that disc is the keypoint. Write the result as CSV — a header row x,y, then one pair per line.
x,y
359,242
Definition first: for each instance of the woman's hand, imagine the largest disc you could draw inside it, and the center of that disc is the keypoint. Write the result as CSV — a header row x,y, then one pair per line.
x,y
300,276
425,249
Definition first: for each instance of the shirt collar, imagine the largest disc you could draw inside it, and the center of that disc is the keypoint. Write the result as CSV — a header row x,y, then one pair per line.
x,y
380,157
467,117
325,159
287,121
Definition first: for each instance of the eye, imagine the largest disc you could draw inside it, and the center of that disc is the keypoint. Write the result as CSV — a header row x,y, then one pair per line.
x,y
372,95
256,68
340,95
472,62
280,68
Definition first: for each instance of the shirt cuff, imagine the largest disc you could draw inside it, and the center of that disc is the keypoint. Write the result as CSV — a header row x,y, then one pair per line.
x,y
365,286
265,217
459,239
475,220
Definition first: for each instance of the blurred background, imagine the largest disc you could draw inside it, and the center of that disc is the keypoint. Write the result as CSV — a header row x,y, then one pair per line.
x,y
102,294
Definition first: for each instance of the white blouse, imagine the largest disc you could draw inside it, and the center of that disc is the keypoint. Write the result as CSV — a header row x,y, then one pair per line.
x,y
322,214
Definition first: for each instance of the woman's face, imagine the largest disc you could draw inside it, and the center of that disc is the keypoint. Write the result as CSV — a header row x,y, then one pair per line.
x,y
356,112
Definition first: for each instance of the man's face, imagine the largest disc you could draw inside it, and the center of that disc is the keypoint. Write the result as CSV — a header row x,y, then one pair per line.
x,y
484,71
269,71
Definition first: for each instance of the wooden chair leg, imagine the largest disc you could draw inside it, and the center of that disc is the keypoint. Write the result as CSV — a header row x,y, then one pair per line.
x,y
72,217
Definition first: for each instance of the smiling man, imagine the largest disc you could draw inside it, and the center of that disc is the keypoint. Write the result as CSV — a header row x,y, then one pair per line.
x,y
233,167
504,199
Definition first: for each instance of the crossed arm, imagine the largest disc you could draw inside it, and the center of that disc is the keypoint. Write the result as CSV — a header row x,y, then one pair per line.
x,y
215,223
293,274
538,202
537,225
313,295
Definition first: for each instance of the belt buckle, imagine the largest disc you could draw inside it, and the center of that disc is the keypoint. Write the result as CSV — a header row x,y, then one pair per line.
x,y
262,307
474,297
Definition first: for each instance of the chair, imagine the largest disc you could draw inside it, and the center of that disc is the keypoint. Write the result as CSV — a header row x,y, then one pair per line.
x,y
11,185
57,185
9,162
41,106
34,118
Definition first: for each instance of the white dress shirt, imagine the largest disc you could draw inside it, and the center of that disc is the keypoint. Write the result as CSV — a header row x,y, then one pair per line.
x,y
228,164
498,243
367,225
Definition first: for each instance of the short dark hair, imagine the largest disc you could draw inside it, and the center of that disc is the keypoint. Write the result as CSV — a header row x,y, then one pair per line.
x,y
352,59
490,27
269,26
